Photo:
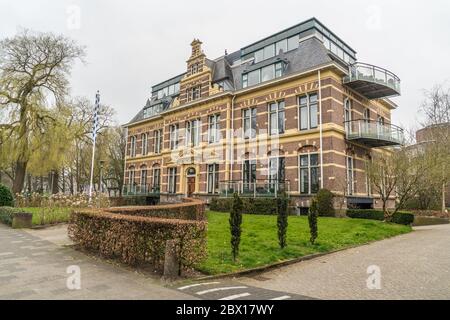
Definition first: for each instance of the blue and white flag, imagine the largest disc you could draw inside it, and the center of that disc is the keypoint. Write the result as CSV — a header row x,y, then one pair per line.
x,y
96,110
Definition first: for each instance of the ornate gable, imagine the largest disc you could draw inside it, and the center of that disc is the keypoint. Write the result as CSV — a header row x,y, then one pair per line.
x,y
196,84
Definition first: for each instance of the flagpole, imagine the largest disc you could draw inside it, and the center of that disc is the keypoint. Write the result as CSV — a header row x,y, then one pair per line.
x,y
94,136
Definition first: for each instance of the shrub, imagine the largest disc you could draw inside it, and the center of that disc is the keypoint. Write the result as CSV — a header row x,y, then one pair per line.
x,y
235,225
137,239
282,219
325,206
370,214
400,217
312,220
191,209
220,204
6,196
405,218
7,214
264,206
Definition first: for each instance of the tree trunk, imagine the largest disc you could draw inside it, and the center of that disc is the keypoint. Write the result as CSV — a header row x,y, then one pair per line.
x,y
29,184
19,176
55,178
443,197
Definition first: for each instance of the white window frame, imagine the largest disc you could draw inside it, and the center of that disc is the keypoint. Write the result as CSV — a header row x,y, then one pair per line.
x,y
157,141
277,112
133,146
144,142
250,119
215,178
213,128
174,136
308,168
350,173
172,180
308,111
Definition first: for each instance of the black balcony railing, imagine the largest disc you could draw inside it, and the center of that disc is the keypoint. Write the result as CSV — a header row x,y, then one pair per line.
x,y
254,189
140,189
373,133
371,81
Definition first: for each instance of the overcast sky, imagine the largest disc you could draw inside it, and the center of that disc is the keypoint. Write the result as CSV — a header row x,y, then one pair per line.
x,y
132,45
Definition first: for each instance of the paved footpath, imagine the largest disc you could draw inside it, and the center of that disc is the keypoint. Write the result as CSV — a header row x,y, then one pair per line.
x,y
33,265
412,266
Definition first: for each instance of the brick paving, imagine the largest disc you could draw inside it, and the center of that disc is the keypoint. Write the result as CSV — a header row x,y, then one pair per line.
x,y
33,265
413,266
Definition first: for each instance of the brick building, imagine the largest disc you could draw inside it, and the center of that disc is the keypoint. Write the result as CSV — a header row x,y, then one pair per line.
x,y
293,111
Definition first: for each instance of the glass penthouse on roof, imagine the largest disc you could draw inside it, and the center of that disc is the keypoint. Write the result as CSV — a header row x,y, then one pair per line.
x,y
289,39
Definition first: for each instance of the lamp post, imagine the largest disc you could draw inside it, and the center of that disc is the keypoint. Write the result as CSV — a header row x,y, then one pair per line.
x,y
100,184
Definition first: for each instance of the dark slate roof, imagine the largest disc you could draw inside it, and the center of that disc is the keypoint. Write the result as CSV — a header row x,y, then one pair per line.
x,y
310,53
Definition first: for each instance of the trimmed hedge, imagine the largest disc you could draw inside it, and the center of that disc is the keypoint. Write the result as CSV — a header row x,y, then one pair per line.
x,y
191,209
136,239
400,217
6,196
7,214
365,214
264,206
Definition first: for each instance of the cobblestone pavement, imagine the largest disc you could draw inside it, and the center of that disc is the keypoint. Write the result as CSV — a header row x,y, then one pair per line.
x,y
413,266
33,265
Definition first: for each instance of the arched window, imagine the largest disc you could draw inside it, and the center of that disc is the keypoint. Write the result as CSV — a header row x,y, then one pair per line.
x,y
156,177
143,177
144,138
131,176
133,146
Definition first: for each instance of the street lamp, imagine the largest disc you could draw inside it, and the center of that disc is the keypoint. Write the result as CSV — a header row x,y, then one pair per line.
x,y
100,186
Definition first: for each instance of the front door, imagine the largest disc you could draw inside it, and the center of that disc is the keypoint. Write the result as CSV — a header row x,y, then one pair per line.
x,y
190,186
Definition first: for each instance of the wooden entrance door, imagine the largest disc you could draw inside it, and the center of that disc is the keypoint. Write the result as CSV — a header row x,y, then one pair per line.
x,y
190,186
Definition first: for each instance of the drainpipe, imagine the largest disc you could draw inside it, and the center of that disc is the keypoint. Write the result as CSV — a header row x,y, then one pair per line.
x,y
320,130
232,140
125,162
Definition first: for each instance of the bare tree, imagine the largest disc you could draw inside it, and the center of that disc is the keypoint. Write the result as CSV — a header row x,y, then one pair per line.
x,y
397,174
436,108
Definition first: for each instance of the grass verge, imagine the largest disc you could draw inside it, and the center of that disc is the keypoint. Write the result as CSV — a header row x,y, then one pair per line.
x,y
259,242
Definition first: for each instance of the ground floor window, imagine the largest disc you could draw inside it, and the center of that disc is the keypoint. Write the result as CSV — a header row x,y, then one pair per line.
x,y
172,180
143,177
309,173
350,176
131,176
156,178
276,170
213,178
249,173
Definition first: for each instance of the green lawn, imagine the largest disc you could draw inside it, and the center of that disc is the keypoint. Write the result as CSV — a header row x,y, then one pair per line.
x,y
259,243
45,216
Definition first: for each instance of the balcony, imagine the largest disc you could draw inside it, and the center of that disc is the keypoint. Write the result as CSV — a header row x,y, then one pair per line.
x,y
373,133
372,82
256,189
140,190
